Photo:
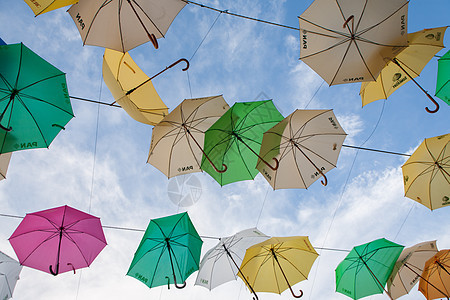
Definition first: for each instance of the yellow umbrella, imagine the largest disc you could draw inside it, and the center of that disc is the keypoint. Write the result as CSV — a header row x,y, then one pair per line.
x,y
43,6
435,280
277,263
405,66
426,174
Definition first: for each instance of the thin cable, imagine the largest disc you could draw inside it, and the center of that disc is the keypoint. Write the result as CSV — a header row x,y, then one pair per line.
x,y
94,101
376,150
404,221
264,202
314,94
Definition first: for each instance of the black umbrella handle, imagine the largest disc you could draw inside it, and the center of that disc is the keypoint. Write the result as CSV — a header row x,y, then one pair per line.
x,y
318,170
285,278
169,249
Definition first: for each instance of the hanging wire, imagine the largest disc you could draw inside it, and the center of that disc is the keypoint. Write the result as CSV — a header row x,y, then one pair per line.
x,y
264,202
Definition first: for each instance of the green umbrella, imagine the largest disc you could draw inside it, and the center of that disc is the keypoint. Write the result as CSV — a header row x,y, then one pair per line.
x,y
168,253
443,78
235,139
367,268
34,101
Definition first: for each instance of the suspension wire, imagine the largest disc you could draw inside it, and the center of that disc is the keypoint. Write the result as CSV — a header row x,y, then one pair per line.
x,y
264,202
315,93
240,16
94,101
376,150
404,221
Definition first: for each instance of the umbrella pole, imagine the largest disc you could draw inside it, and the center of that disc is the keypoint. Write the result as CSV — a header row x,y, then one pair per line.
x,y
265,162
318,170
151,36
173,269
382,286
395,61
284,275
411,269
11,98
57,255
239,270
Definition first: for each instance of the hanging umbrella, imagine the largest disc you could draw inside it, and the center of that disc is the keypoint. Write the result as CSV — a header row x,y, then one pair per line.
x,y
235,140
423,45
278,263
4,163
168,253
9,273
58,240
132,88
443,78
43,6
409,267
352,41
177,141
123,25
221,263
426,174
435,280
367,267
306,144
34,102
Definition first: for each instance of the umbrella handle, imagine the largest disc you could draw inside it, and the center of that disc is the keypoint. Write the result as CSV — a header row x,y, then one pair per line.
x,y
168,282
296,296
178,286
435,103
5,128
178,61
154,41
54,273
73,268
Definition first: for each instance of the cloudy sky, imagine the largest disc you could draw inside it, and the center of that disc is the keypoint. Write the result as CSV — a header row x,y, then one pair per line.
x,y
98,164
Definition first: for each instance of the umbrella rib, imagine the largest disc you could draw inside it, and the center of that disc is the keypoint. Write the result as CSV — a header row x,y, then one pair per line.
x,y
40,244
44,101
42,80
157,263
106,2
68,237
148,17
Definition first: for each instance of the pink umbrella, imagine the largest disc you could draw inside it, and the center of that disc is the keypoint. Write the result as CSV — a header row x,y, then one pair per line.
x,y
58,240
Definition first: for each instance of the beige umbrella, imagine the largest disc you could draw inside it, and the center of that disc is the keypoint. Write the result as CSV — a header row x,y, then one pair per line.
x,y
4,163
350,41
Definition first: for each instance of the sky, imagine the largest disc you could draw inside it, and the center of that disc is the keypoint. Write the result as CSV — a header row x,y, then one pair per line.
x,y
98,164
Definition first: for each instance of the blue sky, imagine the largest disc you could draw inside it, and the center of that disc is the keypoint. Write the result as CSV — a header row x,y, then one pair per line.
x,y
98,163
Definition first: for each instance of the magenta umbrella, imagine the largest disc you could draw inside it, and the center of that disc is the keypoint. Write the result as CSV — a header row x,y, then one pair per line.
x,y
58,240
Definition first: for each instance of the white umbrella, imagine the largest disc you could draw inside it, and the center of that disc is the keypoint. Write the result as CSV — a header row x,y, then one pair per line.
x,y
9,274
4,163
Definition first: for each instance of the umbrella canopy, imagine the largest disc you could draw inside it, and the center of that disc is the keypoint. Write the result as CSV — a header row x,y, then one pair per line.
x,y
221,263
235,139
2,42
177,141
409,267
132,88
34,101
306,144
9,274
352,41
435,280
426,174
443,78
168,253
4,163
423,45
278,263
124,25
58,240
43,6
367,267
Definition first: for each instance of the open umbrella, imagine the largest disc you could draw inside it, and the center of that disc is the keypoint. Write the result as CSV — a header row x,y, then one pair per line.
x,y
366,269
409,267
426,174
443,78
4,163
422,47
177,141
123,25
168,253
435,280
235,139
306,144
278,263
221,263
9,274
58,240
43,6
34,102
350,41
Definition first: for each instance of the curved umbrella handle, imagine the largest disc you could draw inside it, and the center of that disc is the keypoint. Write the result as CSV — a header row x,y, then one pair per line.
x,y
296,296
435,103
178,286
351,18
324,177
5,128
168,282
154,41
178,61
54,273
73,268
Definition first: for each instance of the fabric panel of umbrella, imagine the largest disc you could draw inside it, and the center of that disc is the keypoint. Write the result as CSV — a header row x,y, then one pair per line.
x,y
43,6
168,253
405,66
2,42
4,163
235,139
124,25
352,40
366,269
409,267
177,141
426,174
278,263
435,280
34,101
58,240
9,274
306,144
443,78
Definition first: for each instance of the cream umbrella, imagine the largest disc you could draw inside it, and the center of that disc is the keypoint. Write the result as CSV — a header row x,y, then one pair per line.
x,y
4,163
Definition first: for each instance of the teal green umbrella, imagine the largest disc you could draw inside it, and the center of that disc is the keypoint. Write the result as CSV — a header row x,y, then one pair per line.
x,y
34,101
366,268
168,253
443,78
232,143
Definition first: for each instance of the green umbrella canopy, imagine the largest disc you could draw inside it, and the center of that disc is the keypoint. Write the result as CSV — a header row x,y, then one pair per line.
x,y
443,78
235,140
367,268
170,249
34,101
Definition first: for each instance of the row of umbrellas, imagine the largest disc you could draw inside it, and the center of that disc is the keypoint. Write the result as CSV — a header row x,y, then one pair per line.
x,y
64,239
